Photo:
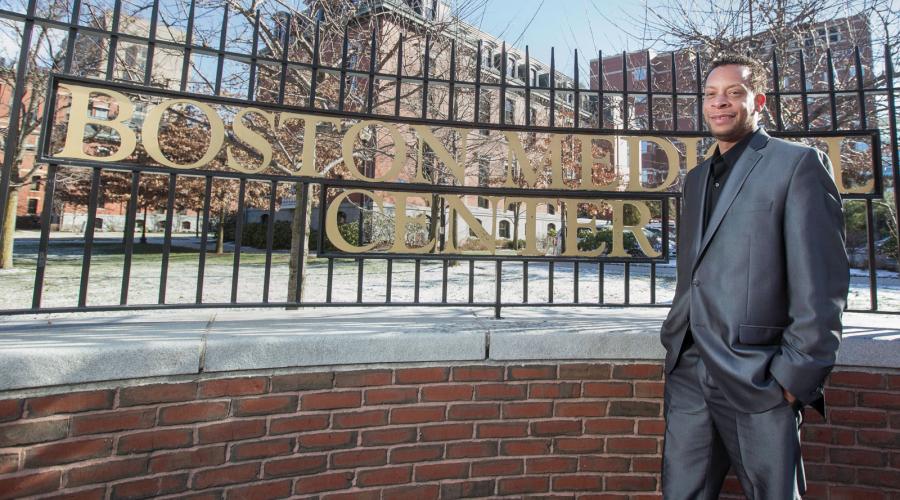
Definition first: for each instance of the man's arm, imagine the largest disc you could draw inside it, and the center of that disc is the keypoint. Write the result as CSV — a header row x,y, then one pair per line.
x,y
818,279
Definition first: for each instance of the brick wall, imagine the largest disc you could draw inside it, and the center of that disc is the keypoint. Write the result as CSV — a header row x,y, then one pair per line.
x,y
416,432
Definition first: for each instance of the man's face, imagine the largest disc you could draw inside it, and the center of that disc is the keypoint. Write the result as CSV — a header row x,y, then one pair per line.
x,y
730,108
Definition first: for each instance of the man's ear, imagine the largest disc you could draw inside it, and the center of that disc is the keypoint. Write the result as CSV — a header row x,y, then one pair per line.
x,y
759,102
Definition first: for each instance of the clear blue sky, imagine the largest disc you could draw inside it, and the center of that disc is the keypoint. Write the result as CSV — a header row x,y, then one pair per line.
x,y
564,24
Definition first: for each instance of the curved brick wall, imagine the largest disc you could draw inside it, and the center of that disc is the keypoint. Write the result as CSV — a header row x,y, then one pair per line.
x,y
568,429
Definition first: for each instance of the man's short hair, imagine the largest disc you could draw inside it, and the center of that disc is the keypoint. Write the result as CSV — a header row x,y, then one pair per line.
x,y
757,71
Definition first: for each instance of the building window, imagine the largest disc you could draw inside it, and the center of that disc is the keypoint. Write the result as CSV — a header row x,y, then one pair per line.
x,y
533,76
510,111
483,202
35,183
834,34
32,206
639,74
99,111
486,55
551,208
510,67
504,229
551,228
544,80
186,225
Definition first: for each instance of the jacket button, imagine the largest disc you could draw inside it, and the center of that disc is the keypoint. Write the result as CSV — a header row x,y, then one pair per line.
x,y
695,282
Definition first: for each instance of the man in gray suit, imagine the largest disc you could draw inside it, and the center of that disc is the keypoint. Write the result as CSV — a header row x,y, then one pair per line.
x,y
756,319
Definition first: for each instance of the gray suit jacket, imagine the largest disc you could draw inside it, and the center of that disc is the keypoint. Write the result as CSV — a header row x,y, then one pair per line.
x,y
764,288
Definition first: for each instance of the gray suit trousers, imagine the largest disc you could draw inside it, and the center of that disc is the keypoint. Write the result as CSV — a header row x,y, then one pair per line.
x,y
705,436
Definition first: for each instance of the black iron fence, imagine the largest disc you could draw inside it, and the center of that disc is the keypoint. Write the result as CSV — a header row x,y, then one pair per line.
x,y
333,278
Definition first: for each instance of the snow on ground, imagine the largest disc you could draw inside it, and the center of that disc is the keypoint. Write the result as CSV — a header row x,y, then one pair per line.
x,y
63,276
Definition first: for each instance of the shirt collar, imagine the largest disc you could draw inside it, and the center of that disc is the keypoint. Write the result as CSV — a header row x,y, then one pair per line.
x,y
731,156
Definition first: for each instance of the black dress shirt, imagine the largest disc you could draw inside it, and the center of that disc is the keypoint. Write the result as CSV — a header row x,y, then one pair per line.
x,y
721,166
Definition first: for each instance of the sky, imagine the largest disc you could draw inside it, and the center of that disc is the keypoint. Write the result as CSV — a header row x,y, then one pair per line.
x,y
564,24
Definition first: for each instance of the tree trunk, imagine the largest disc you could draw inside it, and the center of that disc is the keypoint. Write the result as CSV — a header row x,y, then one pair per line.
x,y
296,238
220,234
9,230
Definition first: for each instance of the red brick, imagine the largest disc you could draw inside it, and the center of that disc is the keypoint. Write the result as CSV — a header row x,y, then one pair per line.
x,y
554,390
858,457
392,395
502,430
652,427
261,491
363,378
112,421
609,426
417,492
231,474
472,449
648,389
157,393
855,492
245,386
815,453
72,402
828,435
373,494
550,465
389,436
300,423
608,389
261,449
151,487
302,382
331,400
877,477
10,409
384,476
581,409
647,464
503,392
585,371
578,483
418,414
556,428
327,441
67,452
638,371
578,445
30,484
628,445
155,440
477,373
634,409
499,467
205,495
519,447
880,439
532,372
87,493
193,412
372,418
880,400
427,375
296,466
438,472
446,432
539,409
413,454
861,380
630,483
9,462
839,397
519,485
187,459
106,471
467,489
233,430
857,418
447,392
248,407
893,381
358,458
474,411
595,463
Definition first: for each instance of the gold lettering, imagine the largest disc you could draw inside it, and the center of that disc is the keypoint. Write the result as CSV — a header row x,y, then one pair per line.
x,y
619,228
634,163
457,206
79,118
401,220
572,227
530,171
150,133
588,160
331,221
252,138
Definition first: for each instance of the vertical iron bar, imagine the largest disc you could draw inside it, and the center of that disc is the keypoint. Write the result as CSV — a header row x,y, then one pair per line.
x,y
418,276
776,82
220,57
46,213
73,33
270,236
238,233
524,281
285,46
113,42
649,85
451,97
576,271
627,283
471,281
360,263
626,122
167,239
330,279
577,110
804,105
478,84
89,237
600,271
550,269
673,67
399,78
503,70
870,243
130,217
390,279
653,282
313,84
151,43
370,97
863,119
188,45
600,119
254,63
552,86
204,236
342,92
446,266
698,77
301,195
425,71
832,99
497,288
528,88
892,120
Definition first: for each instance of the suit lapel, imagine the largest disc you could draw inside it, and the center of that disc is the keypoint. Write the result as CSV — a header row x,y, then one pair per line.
x,y
738,176
697,222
